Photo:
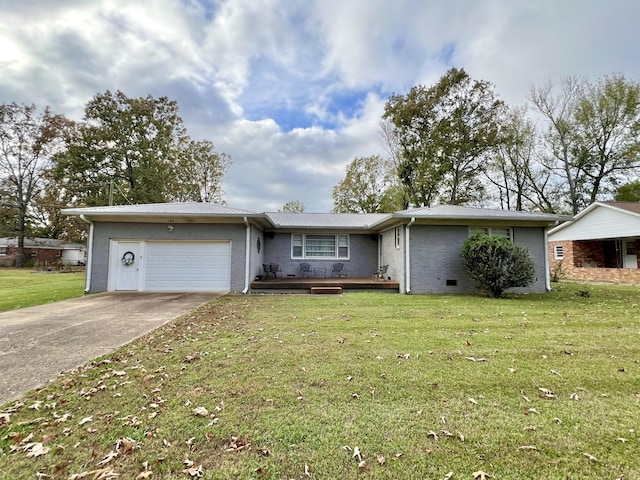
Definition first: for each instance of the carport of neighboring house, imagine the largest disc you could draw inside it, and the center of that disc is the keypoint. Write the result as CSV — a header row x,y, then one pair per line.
x,y
147,265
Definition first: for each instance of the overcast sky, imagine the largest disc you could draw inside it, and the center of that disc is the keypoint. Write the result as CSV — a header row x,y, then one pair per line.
x,y
293,90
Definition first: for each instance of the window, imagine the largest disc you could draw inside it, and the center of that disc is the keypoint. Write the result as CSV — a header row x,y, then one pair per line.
x,y
396,234
3,250
631,248
319,246
558,252
494,231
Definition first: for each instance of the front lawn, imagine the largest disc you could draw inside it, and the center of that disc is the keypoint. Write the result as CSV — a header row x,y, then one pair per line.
x,y
361,386
25,288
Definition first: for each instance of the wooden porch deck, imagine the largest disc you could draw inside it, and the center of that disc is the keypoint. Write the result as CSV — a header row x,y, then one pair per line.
x,y
306,283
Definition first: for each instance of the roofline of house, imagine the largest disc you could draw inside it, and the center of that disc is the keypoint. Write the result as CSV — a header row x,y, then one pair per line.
x,y
591,207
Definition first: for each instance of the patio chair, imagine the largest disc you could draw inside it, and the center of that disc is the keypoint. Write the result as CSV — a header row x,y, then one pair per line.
x,y
305,269
381,272
336,269
267,271
275,269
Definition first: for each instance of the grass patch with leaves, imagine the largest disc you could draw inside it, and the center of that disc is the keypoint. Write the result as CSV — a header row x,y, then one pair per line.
x,y
362,385
25,288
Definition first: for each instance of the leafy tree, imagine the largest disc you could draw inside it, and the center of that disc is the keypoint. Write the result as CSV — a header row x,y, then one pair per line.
x,y
496,264
294,206
368,187
592,139
608,120
446,133
520,181
202,170
629,192
561,138
47,220
28,141
8,211
136,150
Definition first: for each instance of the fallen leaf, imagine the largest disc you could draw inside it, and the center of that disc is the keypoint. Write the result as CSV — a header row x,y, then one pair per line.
x,y
433,434
144,475
108,457
264,451
200,412
556,373
36,450
448,476
473,400
362,464
481,475
236,444
590,457
380,458
126,445
195,472
356,453
86,420
527,447
307,473
474,359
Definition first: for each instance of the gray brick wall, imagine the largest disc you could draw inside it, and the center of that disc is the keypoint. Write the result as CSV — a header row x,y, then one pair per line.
x,y
436,258
362,262
106,231
392,256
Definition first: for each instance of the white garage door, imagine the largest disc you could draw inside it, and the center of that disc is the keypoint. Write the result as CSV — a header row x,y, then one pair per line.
x,y
187,266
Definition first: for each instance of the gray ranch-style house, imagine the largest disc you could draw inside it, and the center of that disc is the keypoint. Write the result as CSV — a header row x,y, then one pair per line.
x,y
207,247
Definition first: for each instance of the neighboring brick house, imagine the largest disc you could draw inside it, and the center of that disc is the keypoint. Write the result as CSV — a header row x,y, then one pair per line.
x,y
601,244
42,251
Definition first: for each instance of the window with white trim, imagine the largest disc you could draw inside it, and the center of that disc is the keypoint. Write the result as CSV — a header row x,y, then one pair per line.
x,y
396,235
505,232
323,246
558,252
3,250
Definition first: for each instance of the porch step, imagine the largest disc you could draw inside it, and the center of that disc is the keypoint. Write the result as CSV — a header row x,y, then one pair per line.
x,y
327,290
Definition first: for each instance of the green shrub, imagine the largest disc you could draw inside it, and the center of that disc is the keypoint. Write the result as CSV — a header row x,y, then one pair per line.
x,y
496,264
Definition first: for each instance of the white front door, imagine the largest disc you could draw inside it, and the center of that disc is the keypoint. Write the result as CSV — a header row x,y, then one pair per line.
x,y
127,264
629,254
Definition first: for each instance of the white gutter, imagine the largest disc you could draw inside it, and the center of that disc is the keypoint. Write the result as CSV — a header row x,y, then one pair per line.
x,y
247,257
547,271
87,280
407,261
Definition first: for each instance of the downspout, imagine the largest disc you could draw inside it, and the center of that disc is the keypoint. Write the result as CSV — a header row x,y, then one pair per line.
x,y
547,271
247,258
407,260
89,269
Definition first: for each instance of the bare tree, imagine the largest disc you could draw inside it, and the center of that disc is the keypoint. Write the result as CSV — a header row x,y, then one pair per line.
x,y
28,141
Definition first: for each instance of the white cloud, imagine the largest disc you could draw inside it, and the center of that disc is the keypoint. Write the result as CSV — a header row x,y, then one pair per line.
x,y
294,89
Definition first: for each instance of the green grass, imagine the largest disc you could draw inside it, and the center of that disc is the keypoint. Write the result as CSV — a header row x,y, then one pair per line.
x,y
25,288
294,384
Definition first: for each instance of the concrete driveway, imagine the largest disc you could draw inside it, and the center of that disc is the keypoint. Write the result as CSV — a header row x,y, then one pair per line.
x,y
37,343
